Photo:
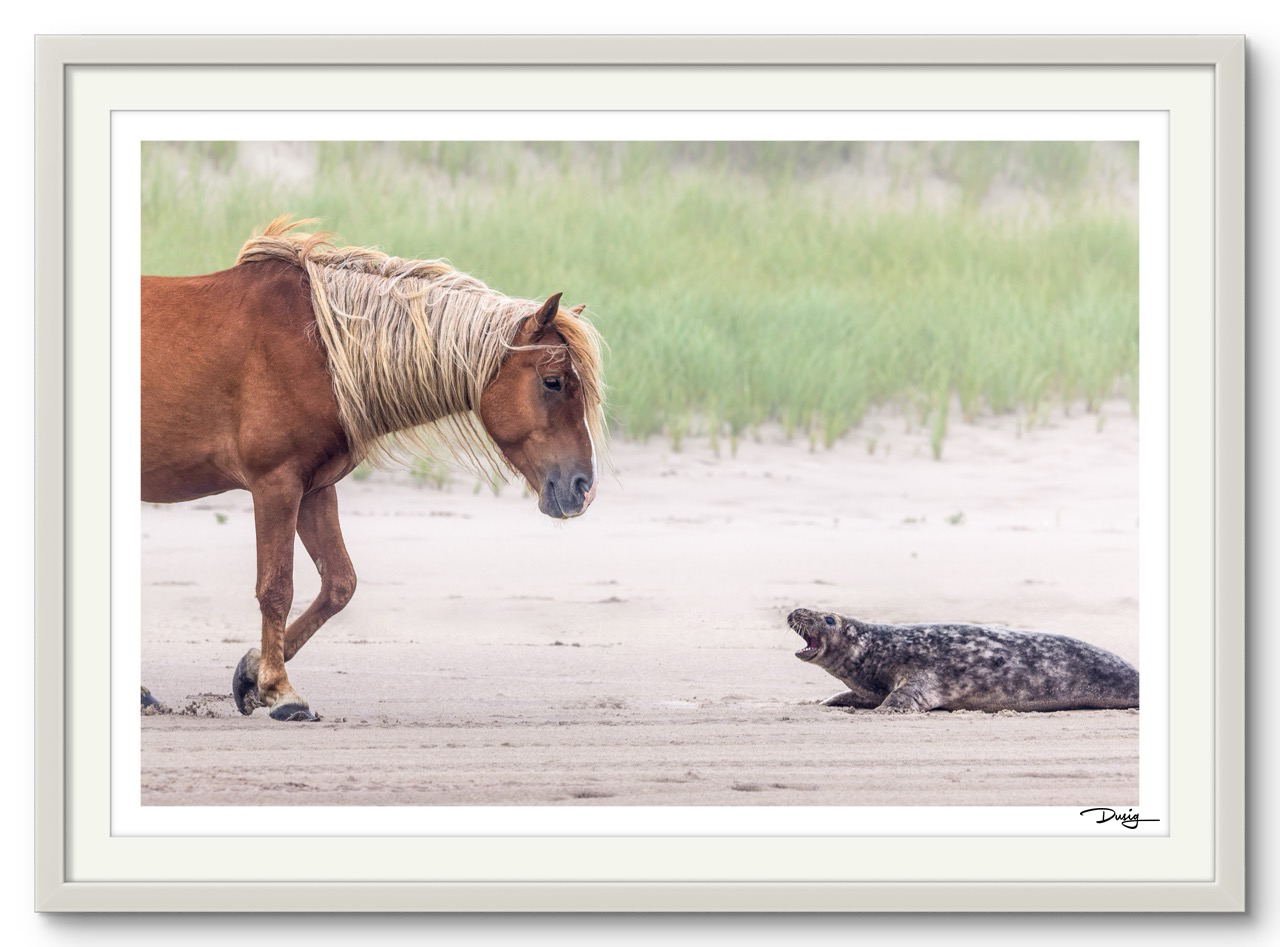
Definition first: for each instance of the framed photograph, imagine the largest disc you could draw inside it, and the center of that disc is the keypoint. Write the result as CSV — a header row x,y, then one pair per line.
x,y
917,359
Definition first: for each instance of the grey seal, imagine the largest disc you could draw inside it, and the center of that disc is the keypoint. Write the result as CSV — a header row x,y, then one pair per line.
x,y
917,668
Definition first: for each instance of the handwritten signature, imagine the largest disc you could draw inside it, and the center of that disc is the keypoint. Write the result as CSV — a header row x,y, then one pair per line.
x,y
1128,818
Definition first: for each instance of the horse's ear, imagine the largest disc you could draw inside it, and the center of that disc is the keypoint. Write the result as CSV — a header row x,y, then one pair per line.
x,y
542,318
578,309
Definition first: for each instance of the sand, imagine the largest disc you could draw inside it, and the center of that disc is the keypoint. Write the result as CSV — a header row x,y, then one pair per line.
x,y
639,655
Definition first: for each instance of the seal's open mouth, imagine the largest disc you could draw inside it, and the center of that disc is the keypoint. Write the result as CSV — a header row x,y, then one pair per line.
x,y
812,643
810,649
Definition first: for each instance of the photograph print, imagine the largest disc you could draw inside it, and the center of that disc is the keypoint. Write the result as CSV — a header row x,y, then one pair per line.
x,y
640,474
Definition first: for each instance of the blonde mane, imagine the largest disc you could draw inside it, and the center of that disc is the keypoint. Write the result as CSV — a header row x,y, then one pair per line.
x,y
412,344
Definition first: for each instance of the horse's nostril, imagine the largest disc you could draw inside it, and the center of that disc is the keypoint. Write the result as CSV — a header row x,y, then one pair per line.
x,y
580,487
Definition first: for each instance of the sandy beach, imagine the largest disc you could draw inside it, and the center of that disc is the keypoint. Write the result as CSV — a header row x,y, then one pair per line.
x,y
639,655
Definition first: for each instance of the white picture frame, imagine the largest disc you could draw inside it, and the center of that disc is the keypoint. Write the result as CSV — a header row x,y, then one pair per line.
x,y
1198,81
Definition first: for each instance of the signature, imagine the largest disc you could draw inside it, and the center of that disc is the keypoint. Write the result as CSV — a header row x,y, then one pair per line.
x,y
1128,818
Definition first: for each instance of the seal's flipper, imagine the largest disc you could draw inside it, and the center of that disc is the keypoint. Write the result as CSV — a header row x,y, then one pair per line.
x,y
916,695
850,699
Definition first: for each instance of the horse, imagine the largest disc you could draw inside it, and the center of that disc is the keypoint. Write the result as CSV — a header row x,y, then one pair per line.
x,y
283,373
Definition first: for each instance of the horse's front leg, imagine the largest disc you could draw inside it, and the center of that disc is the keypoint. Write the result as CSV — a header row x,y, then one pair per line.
x,y
260,679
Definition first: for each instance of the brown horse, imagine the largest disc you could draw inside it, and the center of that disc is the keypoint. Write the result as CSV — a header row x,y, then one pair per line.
x,y
279,375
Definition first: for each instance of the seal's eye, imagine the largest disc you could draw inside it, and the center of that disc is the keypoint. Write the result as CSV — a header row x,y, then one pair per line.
x,y
552,383
830,620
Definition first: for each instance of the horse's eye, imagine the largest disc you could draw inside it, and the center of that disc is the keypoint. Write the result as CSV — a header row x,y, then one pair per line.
x,y
830,620
551,383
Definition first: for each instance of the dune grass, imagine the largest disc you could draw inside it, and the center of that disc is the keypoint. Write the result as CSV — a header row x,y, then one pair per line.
x,y
738,283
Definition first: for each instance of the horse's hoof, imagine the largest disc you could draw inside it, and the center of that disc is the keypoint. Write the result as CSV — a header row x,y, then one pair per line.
x,y
293,711
149,701
244,683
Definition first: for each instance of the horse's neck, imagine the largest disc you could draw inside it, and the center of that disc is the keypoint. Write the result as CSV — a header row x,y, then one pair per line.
x,y
395,371
420,397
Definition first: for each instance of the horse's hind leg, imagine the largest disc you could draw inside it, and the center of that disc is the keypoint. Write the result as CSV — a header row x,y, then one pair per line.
x,y
260,679
322,536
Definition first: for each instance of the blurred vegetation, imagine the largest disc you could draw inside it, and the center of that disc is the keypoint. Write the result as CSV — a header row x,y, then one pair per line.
x,y
736,283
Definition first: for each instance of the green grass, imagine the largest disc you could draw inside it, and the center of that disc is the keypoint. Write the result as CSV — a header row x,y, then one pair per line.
x,y
739,283
431,473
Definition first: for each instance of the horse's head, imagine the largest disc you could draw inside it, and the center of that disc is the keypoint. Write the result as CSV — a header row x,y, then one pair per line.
x,y
535,409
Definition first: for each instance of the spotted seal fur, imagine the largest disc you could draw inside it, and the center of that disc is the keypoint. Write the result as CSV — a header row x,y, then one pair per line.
x,y
916,668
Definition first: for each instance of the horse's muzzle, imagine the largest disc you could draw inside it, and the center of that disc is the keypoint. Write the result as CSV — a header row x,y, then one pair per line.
x,y
564,498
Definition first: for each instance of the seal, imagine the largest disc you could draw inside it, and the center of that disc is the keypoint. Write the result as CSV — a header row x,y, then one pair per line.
x,y
917,668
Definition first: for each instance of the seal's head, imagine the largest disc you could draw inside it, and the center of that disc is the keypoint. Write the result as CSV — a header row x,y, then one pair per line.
x,y
821,631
